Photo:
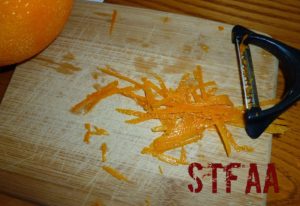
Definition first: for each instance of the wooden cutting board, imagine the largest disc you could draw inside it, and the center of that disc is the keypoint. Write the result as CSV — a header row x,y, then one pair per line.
x,y
42,154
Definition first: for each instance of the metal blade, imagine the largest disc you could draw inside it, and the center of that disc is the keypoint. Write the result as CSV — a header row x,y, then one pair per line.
x,y
247,75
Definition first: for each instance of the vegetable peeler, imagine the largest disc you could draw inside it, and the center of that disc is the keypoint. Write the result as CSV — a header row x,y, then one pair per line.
x,y
257,120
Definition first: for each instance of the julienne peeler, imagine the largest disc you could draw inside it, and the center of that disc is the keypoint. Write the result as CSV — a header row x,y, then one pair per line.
x,y
256,119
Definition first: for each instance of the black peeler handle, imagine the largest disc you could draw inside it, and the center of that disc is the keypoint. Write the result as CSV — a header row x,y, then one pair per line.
x,y
257,120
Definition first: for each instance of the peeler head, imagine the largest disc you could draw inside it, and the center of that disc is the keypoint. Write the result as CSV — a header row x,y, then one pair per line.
x,y
256,119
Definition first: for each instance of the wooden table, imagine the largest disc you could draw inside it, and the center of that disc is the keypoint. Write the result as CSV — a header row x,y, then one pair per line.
x,y
280,19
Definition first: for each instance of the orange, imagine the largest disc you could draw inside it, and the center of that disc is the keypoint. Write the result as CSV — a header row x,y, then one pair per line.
x,y
29,26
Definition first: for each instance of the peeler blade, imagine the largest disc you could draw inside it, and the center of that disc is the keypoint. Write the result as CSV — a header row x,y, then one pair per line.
x,y
247,74
257,119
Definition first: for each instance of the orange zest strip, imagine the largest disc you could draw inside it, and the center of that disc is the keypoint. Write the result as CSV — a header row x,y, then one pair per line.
x,y
113,172
227,137
196,96
160,170
163,157
89,133
223,134
161,84
92,99
163,144
159,129
138,120
104,151
113,21
155,88
99,131
183,155
199,78
87,137
111,72
149,95
87,126
171,160
220,28
278,127
183,81
131,112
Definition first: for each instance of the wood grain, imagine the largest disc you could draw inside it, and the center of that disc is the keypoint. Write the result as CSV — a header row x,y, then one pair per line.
x,y
5,76
7,200
42,154
277,18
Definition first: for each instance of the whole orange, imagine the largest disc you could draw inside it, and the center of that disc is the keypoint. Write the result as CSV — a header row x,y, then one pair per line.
x,y
29,26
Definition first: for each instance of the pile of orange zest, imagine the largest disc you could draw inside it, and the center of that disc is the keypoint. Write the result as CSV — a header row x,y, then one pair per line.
x,y
104,151
113,21
185,105
113,172
184,112
160,170
89,133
